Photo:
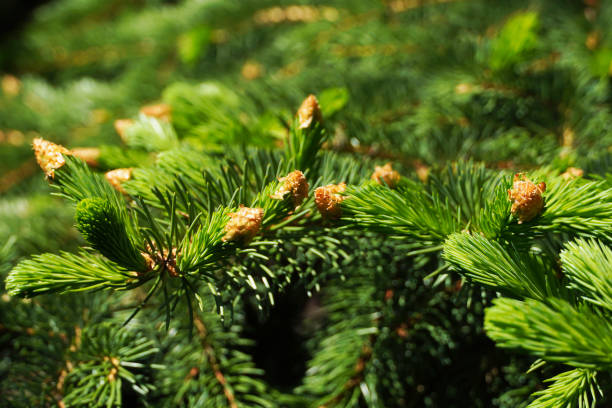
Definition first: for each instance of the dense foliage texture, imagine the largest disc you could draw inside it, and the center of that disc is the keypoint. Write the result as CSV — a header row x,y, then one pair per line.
x,y
433,229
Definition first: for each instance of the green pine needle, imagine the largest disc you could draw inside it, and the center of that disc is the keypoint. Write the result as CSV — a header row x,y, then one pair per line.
x,y
103,227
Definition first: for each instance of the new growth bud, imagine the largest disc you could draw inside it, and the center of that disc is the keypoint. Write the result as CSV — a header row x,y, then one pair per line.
x,y
295,184
118,176
164,258
526,197
309,113
89,155
121,126
328,200
49,156
161,111
243,225
386,175
572,173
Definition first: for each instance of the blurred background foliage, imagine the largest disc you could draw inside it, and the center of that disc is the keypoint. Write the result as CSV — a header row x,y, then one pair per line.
x,y
516,84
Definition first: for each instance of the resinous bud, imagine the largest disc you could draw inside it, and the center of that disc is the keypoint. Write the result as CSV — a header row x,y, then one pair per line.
x,y
243,225
309,113
526,197
328,200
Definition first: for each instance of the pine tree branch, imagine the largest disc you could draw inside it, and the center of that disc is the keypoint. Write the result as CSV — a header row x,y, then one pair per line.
x,y
75,344
150,134
580,207
574,388
67,272
588,266
489,263
212,361
555,331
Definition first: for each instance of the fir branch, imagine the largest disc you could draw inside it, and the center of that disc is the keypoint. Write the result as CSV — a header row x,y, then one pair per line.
x,y
200,249
209,243
337,374
588,266
503,268
408,211
103,227
108,356
212,362
76,181
468,187
142,180
461,195
584,208
303,146
150,134
216,369
574,388
67,272
114,157
555,331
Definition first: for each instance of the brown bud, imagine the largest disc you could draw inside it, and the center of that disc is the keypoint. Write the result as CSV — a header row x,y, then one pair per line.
x,y
49,155
526,197
11,85
251,70
422,172
193,372
244,224
164,258
309,113
386,174
592,40
89,155
572,173
463,88
122,125
568,137
161,111
118,176
112,375
294,183
328,200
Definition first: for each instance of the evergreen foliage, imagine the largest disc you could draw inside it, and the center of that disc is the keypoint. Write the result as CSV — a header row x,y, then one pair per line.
x,y
449,186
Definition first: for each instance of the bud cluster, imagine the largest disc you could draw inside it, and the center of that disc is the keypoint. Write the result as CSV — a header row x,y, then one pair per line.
x,y
154,258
